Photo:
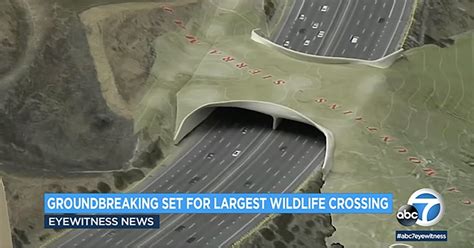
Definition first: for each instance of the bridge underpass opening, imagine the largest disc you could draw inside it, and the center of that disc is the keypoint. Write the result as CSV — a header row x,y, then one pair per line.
x,y
260,154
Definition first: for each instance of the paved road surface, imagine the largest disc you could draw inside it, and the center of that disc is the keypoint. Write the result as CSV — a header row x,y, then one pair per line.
x,y
379,24
270,161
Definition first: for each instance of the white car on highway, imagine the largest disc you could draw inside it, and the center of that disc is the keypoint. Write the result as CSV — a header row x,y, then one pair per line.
x,y
236,153
302,17
354,39
324,8
315,25
321,34
306,42
286,43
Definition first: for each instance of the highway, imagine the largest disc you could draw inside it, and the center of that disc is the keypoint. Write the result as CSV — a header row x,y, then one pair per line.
x,y
269,161
360,29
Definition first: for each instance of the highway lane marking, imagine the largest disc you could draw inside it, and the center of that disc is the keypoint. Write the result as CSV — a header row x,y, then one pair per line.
x,y
277,37
337,27
220,223
213,218
343,33
279,182
269,169
232,181
199,240
323,39
169,242
396,27
223,180
245,225
276,173
150,184
268,147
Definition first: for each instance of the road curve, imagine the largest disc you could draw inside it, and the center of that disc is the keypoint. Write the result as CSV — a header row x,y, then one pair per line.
x,y
359,29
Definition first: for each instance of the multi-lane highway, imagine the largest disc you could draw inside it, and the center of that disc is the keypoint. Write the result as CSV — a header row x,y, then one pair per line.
x,y
362,29
232,151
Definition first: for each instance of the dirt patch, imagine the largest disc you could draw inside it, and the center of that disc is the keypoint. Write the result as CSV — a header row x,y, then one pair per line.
x,y
120,38
55,117
436,21
9,36
25,196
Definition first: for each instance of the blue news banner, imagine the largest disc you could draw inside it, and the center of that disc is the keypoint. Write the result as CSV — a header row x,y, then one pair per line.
x,y
63,210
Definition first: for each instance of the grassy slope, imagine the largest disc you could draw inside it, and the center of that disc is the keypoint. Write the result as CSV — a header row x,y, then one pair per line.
x,y
423,103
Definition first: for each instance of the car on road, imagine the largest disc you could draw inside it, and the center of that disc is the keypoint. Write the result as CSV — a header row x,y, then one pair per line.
x,y
354,39
315,25
194,180
321,34
190,240
286,43
248,183
244,130
236,153
180,228
324,8
381,19
210,155
306,42
302,17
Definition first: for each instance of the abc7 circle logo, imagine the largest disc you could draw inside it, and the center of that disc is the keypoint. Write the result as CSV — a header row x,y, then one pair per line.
x,y
407,215
425,208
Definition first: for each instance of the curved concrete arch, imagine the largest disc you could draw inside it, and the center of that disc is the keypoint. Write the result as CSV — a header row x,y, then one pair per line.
x,y
383,62
277,111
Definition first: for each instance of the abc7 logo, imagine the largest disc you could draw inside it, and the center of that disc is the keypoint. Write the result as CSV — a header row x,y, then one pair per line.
x,y
425,208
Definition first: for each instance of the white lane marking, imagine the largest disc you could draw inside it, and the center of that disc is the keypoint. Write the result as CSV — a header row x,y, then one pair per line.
x,y
249,177
191,226
169,242
396,27
338,26
213,218
187,172
269,169
276,173
220,223
291,158
199,240
242,163
213,189
265,161
289,185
